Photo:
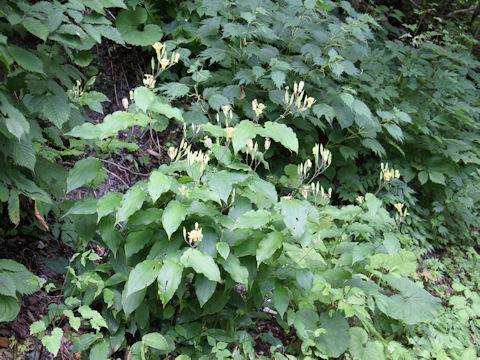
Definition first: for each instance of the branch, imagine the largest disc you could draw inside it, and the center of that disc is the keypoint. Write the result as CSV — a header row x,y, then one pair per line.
x,y
461,11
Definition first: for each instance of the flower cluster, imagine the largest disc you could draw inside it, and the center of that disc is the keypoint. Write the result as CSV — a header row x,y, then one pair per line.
x,y
298,97
388,174
194,236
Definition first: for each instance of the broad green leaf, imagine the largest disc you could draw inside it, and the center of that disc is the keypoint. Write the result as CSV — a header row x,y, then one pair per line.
x,y
37,327
108,204
26,59
361,348
7,284
143,98
56,109
100,351
131,202
204,289
216,101
128,22
245,130
9,308
83,172
281,133
281,298
395,131
268,245
174,89
202,263
169,278
422,177
16,124
360,108
222,182
24,153
172,216
132,302
253,219
223,249
156,341
142,276
412,305
165,109
36,27
437,177
336,339
158,183
238,272
278,78
52,342
295,213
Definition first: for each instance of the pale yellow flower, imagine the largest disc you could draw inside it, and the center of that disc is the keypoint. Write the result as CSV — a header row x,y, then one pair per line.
x,y
230,131
207,142
195,235
164,63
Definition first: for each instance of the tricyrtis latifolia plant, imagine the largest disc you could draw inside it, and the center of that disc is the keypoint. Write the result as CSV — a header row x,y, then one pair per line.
x,y
179,246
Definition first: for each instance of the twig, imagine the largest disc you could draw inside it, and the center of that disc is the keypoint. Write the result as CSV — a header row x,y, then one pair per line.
x,y
461,11
123,168
116,176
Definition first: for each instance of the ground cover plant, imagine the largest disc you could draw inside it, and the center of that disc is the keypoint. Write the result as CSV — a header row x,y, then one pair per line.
x,y
314,155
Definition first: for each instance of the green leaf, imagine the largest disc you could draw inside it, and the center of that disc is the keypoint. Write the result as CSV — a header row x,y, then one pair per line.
x,y
281,298
422,177
24,153
395,131
268,246
158,184
278,78
128,22
360,108
295,214
216,101
336,339
245,130
16,124
253,219
100,351
324,110
222,182
53,341
108,204
281,133
37,327
412,305
131,202
361,348
437,177
9,308
83,172
143,97
36,27
14,207
155,341
141,276
175,89
165,109
172,216
223,249
202,263
204,289
7,284
169,278
238,272
26,59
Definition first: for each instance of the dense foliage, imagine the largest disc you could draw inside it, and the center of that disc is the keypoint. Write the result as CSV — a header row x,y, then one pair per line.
x,y
320,154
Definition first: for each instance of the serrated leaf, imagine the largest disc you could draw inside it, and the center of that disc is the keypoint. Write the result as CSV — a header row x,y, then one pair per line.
x,y
83,172
174,89
216,101
52,342
395,131
37,327
16,124
172,216
169,278
360,108
7,285
278,78
437,177
131,202
165,109
158,184
281,133
14,207
324,110
268,245
143,97
223,249
36,27
202,263
422,177
26,59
